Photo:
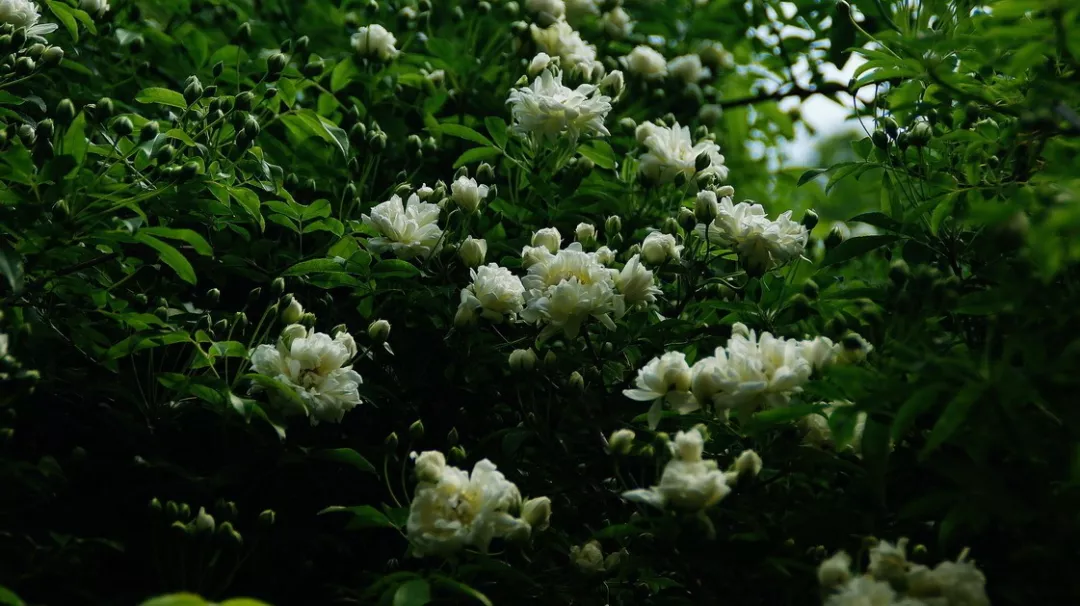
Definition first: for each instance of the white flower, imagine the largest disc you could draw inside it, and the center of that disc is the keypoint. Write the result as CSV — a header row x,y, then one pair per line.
x,y
19,13
854,349
635,283
292,313
888,562
537,513
714,54
424,192
761,243
645,62
621,441
748,463
613,84
820,352
588,557
549,238
538,64
460,509
643,130
3,345
604,255
688,68
467,193
313,366
94,7
495,294
688,483
961,583
585,233
374,40
671,152
531,255
409,230
560,40
835,571
554,8
658,247
429,466
664,379
435,77
565,289
863,591
548,109
472,251
617,23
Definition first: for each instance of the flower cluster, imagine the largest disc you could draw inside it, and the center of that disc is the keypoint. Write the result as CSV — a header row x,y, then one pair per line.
x,y
410,229
749,372
495,294
671,152
562,41
453,508
547,109
589,558
566,287
313,366
891,579
761,243
690,483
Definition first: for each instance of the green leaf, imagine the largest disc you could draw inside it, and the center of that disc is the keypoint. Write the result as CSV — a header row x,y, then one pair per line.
x,y
363,516
176,599
917,403
786,414
394,268
176,133
286,393
316,210
496,127
347,456
599,152
244,602
343,74
162,96
854,247
8,597
413,593
311,266
941,212
464,132
953,417
878,219
75,141
874,448
476,154
169,256
810,175
890,202
446,582
249,201
66,15
196,241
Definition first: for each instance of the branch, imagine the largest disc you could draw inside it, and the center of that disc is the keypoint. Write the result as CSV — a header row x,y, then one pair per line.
x,y
827,89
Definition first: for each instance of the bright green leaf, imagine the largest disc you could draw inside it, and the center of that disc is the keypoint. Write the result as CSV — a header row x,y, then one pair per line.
x,y
162,96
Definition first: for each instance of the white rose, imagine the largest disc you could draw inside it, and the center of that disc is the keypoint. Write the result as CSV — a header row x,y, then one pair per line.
x,y
835,571
588,557
689,69
645,62
538,64
748,463
549,238
19,13
94,7
554,8
467,193
635,283
429,466
473,251
585,233
659,247
537,513
617,23
375,41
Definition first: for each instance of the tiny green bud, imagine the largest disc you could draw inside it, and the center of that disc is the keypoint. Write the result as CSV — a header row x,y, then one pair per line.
x,y
204,522
219,67
379,331
244,101
24,66
193,92
899,272
105,109
123,126
391,440
277,287
687,220
243,33
702,162
452,437
880,139
275,64
416,430
155,506
65,111
165,154
810,220
313,68
149,132
52,56
267,518
301,44
612,225
457,454
45,128
891,127
921,133
576,382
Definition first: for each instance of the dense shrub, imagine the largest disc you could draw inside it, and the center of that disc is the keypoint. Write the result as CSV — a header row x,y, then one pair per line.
x,y
470,302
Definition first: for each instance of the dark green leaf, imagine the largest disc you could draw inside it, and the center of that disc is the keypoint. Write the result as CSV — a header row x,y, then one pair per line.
x,y
362,516
196,241
169,256
464,132
810,175
599,152
854,247
394,268
497,129
445,582
413,593
347,456
476,154
66,15
953,417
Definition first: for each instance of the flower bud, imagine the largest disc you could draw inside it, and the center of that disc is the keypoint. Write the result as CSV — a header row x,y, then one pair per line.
x,y
204,522
155,506
576,382
65,111
835,237
920,134
810,290
550,358
612,225
52,56
291,312
227,533
899,272
621,441
123,127
485,173
391,440
457,454
379,331
473,251
267,518
537,513
705,207
670,225
585,233
452,437
549,238
275,64
165,154
522,360
748,464
277,286
149,132
416,430
687,219
193,92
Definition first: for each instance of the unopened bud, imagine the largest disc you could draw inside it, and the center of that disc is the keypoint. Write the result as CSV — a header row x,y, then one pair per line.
x,y
379,331
687,219
522,360
621,441
810,220
391,440
452,437
267,518
576,381
416,430
204,522
457,454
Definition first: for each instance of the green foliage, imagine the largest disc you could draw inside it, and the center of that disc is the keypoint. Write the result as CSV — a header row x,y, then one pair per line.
x,y
185,170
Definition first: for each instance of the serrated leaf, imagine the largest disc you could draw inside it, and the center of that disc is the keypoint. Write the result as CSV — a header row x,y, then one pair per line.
x,y
161,96
464,132
854,247
347,456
